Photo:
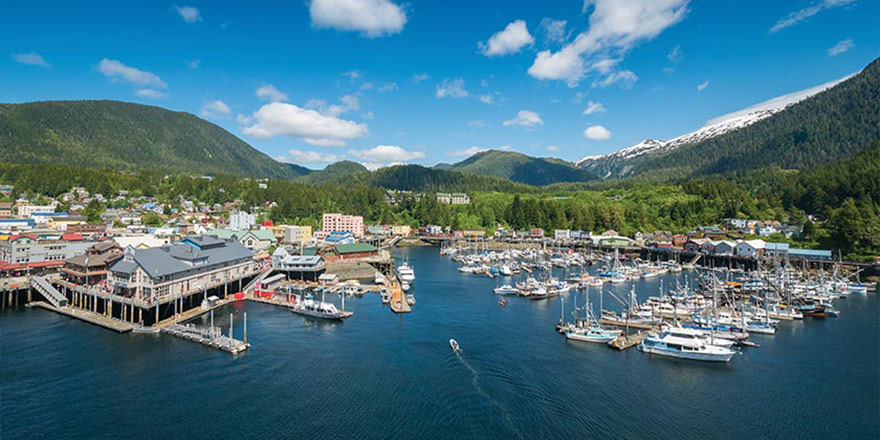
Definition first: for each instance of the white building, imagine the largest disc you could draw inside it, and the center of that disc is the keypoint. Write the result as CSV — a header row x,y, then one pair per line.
x,y
28,210
241,220
562,234
750,248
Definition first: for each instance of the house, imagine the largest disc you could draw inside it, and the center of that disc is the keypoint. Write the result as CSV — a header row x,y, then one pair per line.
x,y
401,230
255,239
473,233
91,266
725,247
340,237
678,240
750,248
87,229
328,279
708,247
712,232
453,199
5,209
140,241
766,230
562,234
694,244
194,264
536,233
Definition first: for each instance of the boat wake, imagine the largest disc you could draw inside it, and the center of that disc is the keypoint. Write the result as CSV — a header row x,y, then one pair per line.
x,y
476,383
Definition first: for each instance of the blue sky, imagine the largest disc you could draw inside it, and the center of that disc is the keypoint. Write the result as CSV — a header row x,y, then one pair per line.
x,y
387,81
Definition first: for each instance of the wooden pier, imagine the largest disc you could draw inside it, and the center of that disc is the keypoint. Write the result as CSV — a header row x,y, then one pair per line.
x,y
398,299
86,316
626,341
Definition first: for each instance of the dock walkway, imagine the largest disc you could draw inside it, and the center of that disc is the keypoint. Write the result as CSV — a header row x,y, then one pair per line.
x,y
87,316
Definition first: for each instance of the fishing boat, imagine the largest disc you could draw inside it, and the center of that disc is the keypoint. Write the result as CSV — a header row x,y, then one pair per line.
x,y
454,345
684,344
411,299
592,334
506,289
379,278
386,296
404,286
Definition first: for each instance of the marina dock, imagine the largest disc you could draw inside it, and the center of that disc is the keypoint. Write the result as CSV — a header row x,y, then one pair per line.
x,y
398,300
626,341
86,316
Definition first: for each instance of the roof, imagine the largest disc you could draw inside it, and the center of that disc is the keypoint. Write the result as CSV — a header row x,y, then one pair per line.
x,y
355,247
810,252
183,256
776,246
72,237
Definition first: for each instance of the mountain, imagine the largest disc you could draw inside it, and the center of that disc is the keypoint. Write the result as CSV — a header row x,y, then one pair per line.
x,y
830,124
419,178
127,136
620,163
521,168
334,173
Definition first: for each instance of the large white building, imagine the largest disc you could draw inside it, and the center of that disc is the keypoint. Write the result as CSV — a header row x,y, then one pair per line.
x,y
343,223
27,210
242,220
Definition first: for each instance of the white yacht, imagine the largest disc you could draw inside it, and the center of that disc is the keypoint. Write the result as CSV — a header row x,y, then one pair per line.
x,y
317,309
405,273
685,344
379,278
506,289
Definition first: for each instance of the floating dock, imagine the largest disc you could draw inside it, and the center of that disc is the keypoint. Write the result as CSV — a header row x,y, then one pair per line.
x,y
209,336
626,341
398,299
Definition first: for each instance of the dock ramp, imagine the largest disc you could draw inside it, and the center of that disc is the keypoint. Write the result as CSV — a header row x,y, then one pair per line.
x,y
253,284
52,295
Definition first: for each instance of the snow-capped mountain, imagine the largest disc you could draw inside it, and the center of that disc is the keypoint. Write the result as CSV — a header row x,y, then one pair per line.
x,y
621,162
653,146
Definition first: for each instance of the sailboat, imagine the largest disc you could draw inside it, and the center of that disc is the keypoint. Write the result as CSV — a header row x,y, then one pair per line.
x,y
590,330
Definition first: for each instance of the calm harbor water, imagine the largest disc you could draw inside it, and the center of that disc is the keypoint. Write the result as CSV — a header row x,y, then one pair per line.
x,y
379,375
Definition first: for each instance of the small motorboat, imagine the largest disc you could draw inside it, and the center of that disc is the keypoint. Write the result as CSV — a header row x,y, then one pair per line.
x,y
454,345
503,302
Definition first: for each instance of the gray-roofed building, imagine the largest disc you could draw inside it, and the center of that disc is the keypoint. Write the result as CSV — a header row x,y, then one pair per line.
x,y
192,264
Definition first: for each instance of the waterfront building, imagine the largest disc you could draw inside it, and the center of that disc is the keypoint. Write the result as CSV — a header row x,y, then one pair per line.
x,y
725,247
298,267
401,230
353,251
179,268
141,241
750,248
810,254
562,234
776,249
242,220
30,251
336,222
92,265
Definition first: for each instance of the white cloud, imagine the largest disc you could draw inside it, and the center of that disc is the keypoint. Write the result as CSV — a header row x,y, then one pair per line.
x,y
552,148
805,13
452,88
467,152
388,87
626,78
373,18
352,75
554,30
594,107
270,93
189,14
115,70
476,123
384,155
419,77
615,26
215,109
514,37
310,157
597,133
675,55
779,101
367,86
151,94
525,118
841,47
702,86
194,64
486,99
31,59
277,118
